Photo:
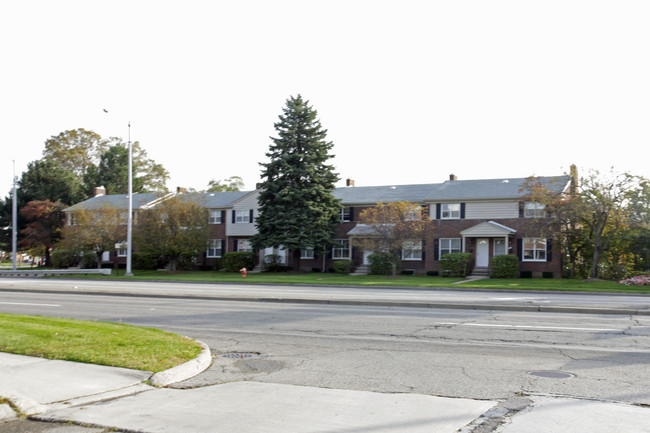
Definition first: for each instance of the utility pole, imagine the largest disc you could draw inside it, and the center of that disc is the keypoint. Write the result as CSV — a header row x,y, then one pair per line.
x,y
14,220
129,221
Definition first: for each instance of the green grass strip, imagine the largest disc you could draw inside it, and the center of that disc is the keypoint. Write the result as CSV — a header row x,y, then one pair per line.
x,y
103,343
328,279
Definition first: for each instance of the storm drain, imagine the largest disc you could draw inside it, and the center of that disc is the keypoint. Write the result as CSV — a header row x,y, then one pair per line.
x,y
241,355
552,374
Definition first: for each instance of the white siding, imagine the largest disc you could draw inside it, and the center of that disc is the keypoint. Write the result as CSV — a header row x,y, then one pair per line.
x,y
492,210
246,203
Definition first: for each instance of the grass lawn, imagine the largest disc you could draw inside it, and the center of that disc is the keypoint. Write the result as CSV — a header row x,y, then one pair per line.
x,y
101,343
552,284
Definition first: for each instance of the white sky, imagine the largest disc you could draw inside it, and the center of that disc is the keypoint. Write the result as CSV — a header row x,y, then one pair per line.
x,y
409,91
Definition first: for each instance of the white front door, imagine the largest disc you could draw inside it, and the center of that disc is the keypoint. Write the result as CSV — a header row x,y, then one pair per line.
x,y
482,252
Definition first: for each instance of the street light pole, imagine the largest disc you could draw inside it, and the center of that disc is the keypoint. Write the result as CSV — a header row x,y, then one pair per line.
x,y
14,221
129,221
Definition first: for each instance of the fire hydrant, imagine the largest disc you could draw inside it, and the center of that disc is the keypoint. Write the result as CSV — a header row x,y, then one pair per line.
x,y
243,272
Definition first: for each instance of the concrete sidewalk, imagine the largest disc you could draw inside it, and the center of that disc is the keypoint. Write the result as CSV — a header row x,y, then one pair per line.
x,y
118,398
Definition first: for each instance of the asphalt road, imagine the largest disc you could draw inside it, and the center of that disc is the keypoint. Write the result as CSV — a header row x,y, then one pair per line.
x,y
480,354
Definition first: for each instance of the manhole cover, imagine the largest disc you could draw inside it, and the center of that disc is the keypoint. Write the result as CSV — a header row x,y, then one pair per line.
x,y
552,374
241,355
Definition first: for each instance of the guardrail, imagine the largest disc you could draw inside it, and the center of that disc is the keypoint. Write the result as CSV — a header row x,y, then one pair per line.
x,y
36,273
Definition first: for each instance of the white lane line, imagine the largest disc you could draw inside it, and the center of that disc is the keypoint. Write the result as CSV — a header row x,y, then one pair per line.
x,y
31,304
561,328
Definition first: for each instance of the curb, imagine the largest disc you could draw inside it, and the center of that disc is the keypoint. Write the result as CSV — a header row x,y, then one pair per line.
x,y
184,371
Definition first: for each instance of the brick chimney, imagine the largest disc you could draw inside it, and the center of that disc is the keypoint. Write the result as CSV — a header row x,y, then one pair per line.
x,y
453,177
99,191
181,190
349,182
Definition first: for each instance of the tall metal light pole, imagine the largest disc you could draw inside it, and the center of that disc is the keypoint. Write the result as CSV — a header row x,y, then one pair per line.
x,y
129,218
14,221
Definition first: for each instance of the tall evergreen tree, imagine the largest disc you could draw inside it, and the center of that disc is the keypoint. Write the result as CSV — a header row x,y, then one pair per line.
x,y
297,208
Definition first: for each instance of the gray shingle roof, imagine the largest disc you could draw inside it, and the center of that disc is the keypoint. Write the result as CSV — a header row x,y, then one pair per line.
x,y
210,200
118,201
502,188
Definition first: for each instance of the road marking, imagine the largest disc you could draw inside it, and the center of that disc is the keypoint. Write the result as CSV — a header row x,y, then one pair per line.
x,y
27,303
562,328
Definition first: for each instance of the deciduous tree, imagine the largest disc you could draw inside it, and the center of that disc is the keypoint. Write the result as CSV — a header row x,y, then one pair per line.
x,y
233,183
390,227
45,220
175,228
95,231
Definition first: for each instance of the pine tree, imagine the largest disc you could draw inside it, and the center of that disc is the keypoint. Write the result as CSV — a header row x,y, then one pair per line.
x,y
297,208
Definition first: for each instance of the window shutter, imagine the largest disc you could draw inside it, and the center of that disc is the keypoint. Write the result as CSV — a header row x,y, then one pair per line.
x,y
234,216
223,247
351,214
423,249
438,210
251,216
520,246
549,250
425,210
223,217
462,211
436,249
521,209
236,243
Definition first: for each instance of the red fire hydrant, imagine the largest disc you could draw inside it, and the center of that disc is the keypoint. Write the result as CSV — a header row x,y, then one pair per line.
x,y
243,272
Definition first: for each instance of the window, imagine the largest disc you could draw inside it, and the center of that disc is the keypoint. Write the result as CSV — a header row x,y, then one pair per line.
x,y
215,248
123,218
534,210
307,253
346,214
72,219
121,249
534,249
412,250
215,217
341,249
242,216
499,247
450,211
244,245
449,245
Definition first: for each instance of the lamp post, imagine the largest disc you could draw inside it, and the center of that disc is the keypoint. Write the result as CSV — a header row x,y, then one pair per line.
x,y
14,221
129,218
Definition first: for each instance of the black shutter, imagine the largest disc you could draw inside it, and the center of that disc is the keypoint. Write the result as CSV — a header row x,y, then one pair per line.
x,y
223,217
351,214
549,250
462,211
234,246
521,209
438,209
223,247
234,216
251,216
423,248
436,249
520,246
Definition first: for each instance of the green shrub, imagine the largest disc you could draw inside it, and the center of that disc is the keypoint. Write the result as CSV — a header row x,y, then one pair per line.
x,y
382,263
272,263
504,266
146,261
342,266
234,261
88,261
62,258
456,264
